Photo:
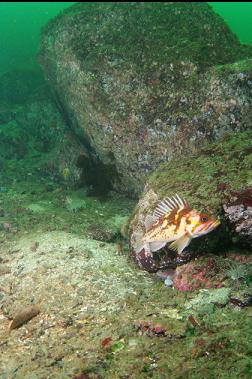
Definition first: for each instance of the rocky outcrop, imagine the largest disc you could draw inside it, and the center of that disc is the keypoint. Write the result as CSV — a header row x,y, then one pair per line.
x,y
33,132
143,83
239,213
216,179
34,129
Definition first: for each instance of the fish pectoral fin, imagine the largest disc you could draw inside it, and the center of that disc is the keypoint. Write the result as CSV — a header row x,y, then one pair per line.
x,y
181,243
155,246
140,245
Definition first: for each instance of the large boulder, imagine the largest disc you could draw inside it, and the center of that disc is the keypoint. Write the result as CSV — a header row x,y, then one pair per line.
x,y
35,134
145,82
216,179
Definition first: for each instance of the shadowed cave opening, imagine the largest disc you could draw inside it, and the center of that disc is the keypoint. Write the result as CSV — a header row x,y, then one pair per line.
x,y
99,177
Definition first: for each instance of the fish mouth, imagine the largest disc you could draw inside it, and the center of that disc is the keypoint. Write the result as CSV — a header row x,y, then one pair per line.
x,y
212,226
208,227
216,223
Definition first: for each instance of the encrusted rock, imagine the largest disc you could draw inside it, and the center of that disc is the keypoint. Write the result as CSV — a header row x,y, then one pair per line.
x,y
218,176
32,128
239,213
138,92
203,273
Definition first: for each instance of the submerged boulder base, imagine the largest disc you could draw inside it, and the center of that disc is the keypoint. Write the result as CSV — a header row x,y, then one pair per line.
x,y
34,135
33,132
140,86
218,180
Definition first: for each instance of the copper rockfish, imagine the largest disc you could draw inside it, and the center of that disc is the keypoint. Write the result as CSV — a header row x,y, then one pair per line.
x,y
173,221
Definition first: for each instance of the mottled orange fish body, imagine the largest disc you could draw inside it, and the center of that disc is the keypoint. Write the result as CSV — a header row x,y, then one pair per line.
x,y
174,221
169,227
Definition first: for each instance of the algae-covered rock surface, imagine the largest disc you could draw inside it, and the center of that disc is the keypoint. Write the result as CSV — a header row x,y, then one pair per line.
x,y
144,82
34,132
74,306
217,179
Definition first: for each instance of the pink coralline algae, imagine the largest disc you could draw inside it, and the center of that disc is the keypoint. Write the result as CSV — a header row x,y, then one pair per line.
x,y
240,258
198,274
150,329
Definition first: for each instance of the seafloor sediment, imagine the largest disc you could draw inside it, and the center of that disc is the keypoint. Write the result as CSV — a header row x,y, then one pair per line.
x,y
100,316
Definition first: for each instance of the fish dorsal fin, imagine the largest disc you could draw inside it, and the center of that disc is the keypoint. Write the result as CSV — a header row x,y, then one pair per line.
x,y
169,204
149,221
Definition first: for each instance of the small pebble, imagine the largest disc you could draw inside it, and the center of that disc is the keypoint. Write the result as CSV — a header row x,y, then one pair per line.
x,y
34,246
164,274
168,281
6,226
24,316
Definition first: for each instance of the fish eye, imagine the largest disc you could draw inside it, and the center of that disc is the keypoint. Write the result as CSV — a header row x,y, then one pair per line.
x,y
204,219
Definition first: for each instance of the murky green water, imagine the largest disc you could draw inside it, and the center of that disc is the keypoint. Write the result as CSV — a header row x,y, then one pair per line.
x,y
238,16
20,24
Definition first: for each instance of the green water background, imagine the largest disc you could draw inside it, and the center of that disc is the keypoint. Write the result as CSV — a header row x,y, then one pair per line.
x,y
20,25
